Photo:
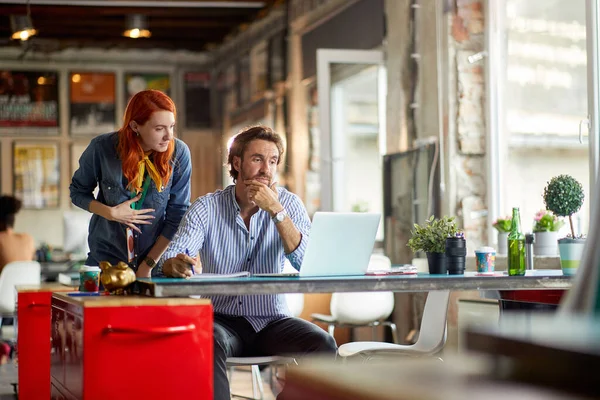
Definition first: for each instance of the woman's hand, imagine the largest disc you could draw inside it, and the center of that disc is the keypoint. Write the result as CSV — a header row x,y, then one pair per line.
x,y
143,271
124,214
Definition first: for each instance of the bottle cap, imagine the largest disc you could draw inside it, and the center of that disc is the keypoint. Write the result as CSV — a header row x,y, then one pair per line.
x,y
529,238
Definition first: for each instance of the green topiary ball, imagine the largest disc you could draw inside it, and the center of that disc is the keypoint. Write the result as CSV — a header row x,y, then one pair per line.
x,y
563,195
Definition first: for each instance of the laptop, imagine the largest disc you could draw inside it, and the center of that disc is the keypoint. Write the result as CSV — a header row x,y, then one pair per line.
x,y
339,244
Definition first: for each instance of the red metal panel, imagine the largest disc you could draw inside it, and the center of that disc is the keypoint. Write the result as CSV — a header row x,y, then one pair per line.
x,y
149,352
166,350
33,340
533,296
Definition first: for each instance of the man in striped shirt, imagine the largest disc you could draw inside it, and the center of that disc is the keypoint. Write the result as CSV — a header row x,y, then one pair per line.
x,y
253,226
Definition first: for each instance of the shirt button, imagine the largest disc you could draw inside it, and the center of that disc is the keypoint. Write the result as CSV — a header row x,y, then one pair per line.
x,y
109,188
240,303
252,238
248,259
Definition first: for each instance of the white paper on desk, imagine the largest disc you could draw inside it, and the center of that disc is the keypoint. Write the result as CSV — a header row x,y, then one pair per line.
x,y
219,276
543,272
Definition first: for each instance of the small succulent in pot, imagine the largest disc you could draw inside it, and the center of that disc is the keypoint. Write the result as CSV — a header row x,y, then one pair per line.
x,y
564,196
431,236
545,221
502,224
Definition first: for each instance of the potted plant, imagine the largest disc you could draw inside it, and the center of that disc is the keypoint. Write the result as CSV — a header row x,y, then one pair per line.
x,y
545,232
502,225
564,196
431,238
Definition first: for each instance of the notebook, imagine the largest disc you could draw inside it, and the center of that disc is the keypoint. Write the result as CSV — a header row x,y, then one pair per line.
x,y
339,244
206,275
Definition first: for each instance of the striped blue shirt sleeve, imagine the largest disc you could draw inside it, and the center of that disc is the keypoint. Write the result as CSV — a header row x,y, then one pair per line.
x,y
190,235
299,216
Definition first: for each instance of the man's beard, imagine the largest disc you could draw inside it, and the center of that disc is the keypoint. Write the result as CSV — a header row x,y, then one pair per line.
x,y
244,177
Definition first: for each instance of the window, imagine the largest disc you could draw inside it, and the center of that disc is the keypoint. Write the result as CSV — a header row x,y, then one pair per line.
x,y
540,94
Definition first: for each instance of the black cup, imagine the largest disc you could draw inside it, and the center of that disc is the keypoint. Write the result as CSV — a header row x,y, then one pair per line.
x,y
456,251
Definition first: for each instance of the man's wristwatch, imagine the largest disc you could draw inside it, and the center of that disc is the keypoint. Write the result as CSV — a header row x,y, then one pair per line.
x,y
150,262
280,216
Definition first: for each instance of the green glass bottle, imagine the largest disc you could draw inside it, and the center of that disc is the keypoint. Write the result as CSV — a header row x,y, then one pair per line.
x,y
516,246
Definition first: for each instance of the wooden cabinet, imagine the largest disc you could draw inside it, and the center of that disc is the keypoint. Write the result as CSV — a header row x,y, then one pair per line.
x,y
109,347
33,338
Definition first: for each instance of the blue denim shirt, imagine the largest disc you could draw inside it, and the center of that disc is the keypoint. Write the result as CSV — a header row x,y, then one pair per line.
x,y
100,165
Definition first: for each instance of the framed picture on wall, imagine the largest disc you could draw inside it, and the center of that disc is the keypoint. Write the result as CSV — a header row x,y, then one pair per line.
x,y
29,101
196,86
135,83
36,174
92,102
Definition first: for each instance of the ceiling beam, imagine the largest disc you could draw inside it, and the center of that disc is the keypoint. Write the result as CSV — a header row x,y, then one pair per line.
x,y
123,43
145,3
120,11
67,23
82,32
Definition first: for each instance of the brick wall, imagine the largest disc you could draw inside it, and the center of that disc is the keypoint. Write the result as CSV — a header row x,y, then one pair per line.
x,y
466,158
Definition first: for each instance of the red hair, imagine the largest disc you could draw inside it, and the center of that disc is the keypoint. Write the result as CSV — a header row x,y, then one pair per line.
x,y
139,109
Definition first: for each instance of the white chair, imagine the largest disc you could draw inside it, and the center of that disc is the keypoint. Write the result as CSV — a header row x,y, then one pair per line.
x,y
295,303
14,274
361,309
432,335
254,363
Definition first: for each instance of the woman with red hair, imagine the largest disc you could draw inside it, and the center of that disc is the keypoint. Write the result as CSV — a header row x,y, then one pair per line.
x,y
143,175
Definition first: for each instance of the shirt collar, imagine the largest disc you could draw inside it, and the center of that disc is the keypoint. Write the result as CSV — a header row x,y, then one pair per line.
x,y
234,202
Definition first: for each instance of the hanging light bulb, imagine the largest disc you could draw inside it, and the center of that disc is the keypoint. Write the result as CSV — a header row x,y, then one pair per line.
x,y
136,27
22,27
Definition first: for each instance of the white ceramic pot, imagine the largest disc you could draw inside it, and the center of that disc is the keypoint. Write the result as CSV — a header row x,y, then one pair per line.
x,y
502,243
545,243
571,251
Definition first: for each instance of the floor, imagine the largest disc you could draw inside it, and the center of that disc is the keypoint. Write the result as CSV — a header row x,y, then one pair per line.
x,y
241,379
241,382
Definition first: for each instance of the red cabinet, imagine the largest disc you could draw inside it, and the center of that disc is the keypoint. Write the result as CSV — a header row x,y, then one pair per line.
x,y
113,347
33,339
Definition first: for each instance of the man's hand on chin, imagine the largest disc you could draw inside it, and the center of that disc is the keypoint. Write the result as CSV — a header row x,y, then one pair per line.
x,y
265,197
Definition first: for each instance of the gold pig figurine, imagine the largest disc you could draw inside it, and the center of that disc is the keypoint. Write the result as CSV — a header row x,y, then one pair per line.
x,y
115,278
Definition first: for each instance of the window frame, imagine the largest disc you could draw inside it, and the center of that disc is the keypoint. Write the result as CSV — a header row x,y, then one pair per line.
x,y
496,145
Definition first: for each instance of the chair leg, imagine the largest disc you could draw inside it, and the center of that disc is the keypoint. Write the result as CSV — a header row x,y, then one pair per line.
x,y
257,389
394,331
257,385
331,329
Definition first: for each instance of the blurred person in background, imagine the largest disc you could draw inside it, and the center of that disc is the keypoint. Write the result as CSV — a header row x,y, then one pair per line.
x,y
13,246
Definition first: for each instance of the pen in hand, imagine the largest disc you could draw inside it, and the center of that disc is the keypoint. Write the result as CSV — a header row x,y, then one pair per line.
x,y
187,252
